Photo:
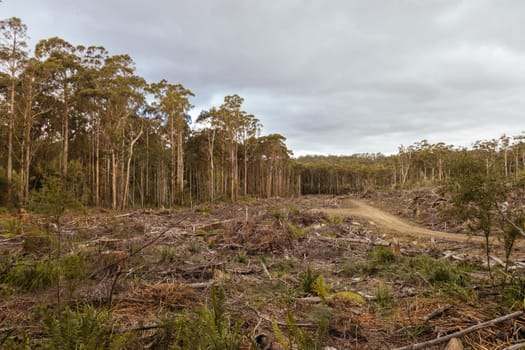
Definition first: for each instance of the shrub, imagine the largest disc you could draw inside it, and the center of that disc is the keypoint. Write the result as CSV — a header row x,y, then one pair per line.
x,y
307,280
383,255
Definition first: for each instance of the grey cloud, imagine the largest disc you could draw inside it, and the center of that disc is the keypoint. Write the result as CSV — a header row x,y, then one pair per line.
x,y
332,76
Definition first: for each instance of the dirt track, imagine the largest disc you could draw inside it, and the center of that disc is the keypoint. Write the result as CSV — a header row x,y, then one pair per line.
x,y
390,223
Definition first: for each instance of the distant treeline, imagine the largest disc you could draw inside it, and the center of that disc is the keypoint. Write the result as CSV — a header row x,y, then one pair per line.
x,y
420,163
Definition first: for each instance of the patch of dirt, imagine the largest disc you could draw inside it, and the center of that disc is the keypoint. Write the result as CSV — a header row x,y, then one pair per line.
x,y
423,205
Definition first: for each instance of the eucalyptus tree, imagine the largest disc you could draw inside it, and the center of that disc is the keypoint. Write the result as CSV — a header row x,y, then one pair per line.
x,y
13,56
62,60
249,128
273,156
486,200
34,102
210,119
229,120
172,102
91,101
124,97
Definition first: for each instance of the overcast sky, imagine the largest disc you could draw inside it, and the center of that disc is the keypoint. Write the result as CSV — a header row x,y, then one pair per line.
x,y
333,76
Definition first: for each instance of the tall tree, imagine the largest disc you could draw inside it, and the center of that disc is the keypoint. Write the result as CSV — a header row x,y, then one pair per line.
x,y
249,128
172,101
230,116
124,99
13,54
33,106
61,58
92,96
210,118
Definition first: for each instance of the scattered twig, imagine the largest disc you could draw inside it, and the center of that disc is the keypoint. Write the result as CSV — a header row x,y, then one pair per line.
x,y
497,260
266,272
112,290
201,285
280,323
437,312
310,300
471,329
141,328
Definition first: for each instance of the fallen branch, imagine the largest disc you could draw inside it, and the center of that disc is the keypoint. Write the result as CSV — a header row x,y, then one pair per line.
x,y
141,328
512,223
214,225
497,260
201,285
437,312
280,323
116,263
458,334
515,346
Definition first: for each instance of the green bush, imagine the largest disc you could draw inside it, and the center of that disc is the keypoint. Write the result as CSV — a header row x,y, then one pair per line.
x,y
384,295
383,255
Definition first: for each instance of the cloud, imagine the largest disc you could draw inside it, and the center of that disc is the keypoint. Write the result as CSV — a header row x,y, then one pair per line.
x,y
333,77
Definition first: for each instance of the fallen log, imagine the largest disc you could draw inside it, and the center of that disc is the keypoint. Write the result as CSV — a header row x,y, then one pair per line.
x,y
458,334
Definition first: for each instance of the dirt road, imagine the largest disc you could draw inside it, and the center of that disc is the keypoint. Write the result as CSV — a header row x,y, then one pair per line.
x,y
391,223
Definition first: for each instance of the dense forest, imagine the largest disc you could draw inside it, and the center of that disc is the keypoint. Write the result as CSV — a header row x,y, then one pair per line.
x,y
82,115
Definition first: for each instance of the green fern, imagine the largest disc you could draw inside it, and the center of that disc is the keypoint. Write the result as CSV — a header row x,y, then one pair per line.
x,y
321,288
85,328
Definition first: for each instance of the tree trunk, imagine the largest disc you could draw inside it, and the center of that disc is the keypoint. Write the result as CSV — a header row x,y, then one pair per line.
x,y
211,143
245,192
128,167
10,130
173,162
26,148
97,164
233,183
180,166
65,133
113,180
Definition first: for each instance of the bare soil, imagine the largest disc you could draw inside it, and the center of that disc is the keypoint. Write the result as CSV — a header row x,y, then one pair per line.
x,y
391,223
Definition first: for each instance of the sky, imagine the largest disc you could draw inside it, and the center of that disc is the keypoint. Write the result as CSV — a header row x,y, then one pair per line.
x,y
332,76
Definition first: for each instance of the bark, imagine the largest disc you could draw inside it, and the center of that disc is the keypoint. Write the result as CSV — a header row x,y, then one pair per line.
x,y
180,165
65,133
128,168
10,128
211,143
113,180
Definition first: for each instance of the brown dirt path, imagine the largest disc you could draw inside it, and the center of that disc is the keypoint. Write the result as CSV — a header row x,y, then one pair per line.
x,y
391,223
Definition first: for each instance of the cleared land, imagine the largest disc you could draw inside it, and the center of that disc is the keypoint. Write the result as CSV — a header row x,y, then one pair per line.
x,y
333,273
